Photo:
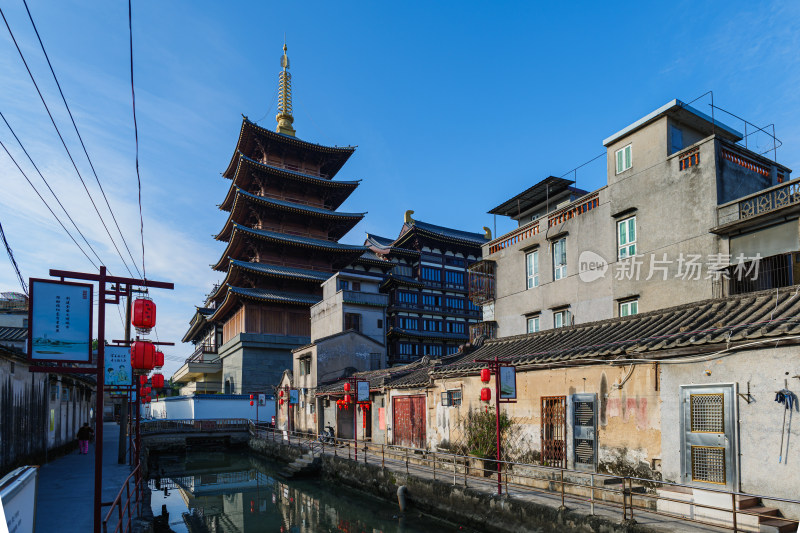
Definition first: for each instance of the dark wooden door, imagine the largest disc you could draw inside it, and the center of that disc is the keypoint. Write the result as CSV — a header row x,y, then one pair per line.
x,y
408,421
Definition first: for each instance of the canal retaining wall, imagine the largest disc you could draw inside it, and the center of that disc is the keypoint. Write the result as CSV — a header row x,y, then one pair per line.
x,y
459,504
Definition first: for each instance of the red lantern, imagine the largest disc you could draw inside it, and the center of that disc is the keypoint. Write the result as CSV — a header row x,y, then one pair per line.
x,y
486,375
159,359
148,399
142,379
143,355
148,390
251,403
280,401
251,397
142,392
280,394
486,394
157,381
347,387
144,314
347,398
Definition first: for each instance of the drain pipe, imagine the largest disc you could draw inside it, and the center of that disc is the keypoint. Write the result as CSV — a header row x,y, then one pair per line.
x,y
401,497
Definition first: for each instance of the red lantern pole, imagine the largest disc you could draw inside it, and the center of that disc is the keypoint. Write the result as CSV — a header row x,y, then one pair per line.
x,y
497,421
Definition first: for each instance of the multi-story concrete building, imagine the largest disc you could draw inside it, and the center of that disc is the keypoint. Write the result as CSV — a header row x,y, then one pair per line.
x,y
670,226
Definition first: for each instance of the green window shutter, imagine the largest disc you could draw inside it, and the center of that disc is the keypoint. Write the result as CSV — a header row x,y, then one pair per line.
x,y
622,234
627,157
632,229
619,161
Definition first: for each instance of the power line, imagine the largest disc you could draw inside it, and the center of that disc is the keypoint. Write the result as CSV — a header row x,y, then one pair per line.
x,y
13,261
74,125
136,136
22,56
47,205
50,188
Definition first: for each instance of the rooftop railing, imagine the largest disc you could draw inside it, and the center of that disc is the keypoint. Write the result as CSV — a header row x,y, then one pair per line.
x,y
762,202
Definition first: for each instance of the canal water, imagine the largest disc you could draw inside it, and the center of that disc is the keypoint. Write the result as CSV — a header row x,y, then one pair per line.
x,y
237,492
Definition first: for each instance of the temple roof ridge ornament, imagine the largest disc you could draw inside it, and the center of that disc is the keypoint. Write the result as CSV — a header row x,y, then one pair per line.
x,y
284,116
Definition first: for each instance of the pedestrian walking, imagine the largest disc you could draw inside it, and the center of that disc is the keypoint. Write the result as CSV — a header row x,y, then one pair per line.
x,y
85,434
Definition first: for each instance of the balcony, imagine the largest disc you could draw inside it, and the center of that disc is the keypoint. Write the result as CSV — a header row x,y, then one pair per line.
x,y
489,329
773,202
203,353
482,282
365,298
782,270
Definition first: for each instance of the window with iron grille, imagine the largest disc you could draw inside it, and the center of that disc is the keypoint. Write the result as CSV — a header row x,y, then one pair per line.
x,y
707,413
708,464
451,398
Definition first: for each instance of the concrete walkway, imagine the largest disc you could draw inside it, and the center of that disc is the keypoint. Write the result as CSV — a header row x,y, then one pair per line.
x,y
66,487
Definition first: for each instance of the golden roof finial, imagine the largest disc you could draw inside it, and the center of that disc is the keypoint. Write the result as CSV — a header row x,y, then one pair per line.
x,y
284,116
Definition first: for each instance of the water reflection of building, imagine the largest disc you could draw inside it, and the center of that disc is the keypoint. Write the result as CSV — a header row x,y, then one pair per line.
x,y
233,493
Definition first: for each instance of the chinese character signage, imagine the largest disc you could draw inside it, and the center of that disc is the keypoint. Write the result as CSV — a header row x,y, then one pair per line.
x,y
508,383
118,366
60,321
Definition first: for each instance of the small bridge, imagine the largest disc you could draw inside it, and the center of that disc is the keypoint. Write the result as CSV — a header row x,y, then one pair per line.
x,y
166,434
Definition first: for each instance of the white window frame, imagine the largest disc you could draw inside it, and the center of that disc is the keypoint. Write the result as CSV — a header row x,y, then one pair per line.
x,y
532,324
629,308
623,159
563,316
532,269
560,269
626,247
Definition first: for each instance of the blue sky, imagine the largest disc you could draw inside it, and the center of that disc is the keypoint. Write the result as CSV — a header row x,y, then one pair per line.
x,y
454,107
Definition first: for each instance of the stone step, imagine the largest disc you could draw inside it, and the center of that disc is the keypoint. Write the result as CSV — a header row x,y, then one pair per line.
x,y
777,525
761,510
745,502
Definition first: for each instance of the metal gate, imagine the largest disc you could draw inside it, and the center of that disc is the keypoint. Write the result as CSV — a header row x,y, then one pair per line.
x,y
408,421
584,431
707,426
554,431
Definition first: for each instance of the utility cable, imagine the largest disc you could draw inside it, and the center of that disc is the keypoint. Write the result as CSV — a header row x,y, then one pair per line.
x,y
136,136
13,261
80,177
48,205
50,188
78,133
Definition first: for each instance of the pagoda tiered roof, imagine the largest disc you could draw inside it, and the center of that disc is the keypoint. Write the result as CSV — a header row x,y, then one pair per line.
x,y
240,232
253,137
383,246
264,270
335,191
338,223
235,295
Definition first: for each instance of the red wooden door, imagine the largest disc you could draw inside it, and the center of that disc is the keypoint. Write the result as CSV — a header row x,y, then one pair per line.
x,y
408,417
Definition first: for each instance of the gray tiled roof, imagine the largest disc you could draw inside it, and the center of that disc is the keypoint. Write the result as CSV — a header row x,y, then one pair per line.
x,y
476,238
699,327
13,334
282,271
429,334
275,296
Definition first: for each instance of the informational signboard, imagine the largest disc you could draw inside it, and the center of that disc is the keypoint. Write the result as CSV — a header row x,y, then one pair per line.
x,y
294,396
118,367
60,321
262,400
508,383
362,391
18,500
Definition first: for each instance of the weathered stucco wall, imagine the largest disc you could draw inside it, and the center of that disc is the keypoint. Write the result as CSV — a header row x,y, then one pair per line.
x,y
628,425
760,422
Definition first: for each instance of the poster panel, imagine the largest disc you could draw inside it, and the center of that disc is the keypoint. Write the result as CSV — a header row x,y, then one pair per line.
x,y
118,366
508,383
362,391
60,319
294,396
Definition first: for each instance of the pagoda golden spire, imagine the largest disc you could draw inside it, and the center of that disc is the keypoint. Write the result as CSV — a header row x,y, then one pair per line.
x,y
284,116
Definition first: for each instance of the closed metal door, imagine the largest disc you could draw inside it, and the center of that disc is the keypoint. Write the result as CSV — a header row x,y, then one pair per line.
x,y
707,426
408,421
584,431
